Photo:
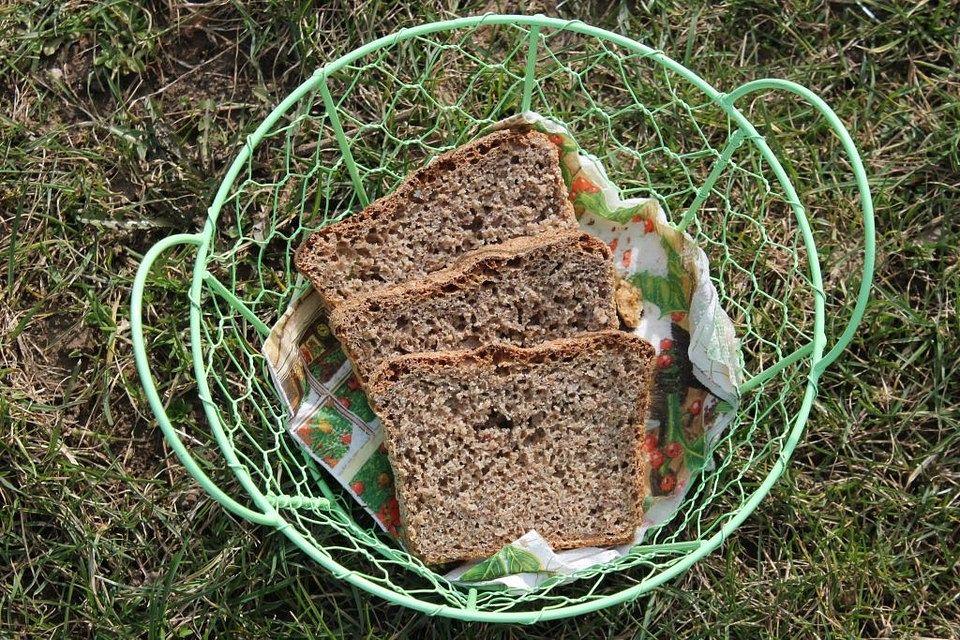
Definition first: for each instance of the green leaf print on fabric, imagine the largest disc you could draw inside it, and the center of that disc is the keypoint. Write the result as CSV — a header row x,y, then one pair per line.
x,y
351,397
594,202
508,560
666,292
723,407
694,455
674,261
674,419
328,434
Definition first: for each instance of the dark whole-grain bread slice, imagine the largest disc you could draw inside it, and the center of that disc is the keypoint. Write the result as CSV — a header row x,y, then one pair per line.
x,y
521,292
501,186
491,443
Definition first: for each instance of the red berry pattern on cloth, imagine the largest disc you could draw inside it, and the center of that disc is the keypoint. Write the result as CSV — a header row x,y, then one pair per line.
x,y
648,226
674,450
666,344
328,434
668,482
374,480
626,257
678,316
352,398
656,459
613,245
306,435
389,514
582,185
664,361
695,407
650,442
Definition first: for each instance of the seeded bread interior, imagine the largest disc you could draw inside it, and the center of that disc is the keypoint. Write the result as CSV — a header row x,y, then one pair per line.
x,y
504,185
490,443
521,292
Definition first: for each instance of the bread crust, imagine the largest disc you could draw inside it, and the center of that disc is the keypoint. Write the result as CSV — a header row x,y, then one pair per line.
x,y
388,206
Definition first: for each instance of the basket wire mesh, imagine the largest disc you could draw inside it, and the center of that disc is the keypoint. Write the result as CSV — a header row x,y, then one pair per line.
x,y
358,126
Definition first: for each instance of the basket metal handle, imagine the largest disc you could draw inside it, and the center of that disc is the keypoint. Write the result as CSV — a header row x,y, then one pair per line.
x,y
150,387
866,200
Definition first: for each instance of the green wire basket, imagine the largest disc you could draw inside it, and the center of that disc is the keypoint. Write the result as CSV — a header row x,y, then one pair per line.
x,y
352,132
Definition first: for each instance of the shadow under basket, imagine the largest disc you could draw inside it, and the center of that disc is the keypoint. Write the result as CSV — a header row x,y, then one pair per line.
x,y
359,125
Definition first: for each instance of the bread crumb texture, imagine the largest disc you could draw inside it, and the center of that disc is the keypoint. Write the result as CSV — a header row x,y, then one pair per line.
x,y
522,292
489,444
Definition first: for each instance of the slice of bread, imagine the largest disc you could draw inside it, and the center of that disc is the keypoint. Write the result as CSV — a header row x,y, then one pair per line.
x,y
504,185
491,443
522,292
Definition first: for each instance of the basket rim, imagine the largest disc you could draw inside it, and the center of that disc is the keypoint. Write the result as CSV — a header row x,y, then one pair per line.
x,y
269,513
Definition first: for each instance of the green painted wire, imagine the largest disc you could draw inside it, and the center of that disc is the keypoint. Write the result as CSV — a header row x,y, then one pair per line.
x,y
655,120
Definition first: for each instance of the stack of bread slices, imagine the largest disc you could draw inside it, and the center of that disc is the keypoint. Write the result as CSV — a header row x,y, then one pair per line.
x,y
480,320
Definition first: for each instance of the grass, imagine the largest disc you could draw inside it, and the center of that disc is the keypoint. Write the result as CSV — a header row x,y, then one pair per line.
x,y
118,121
